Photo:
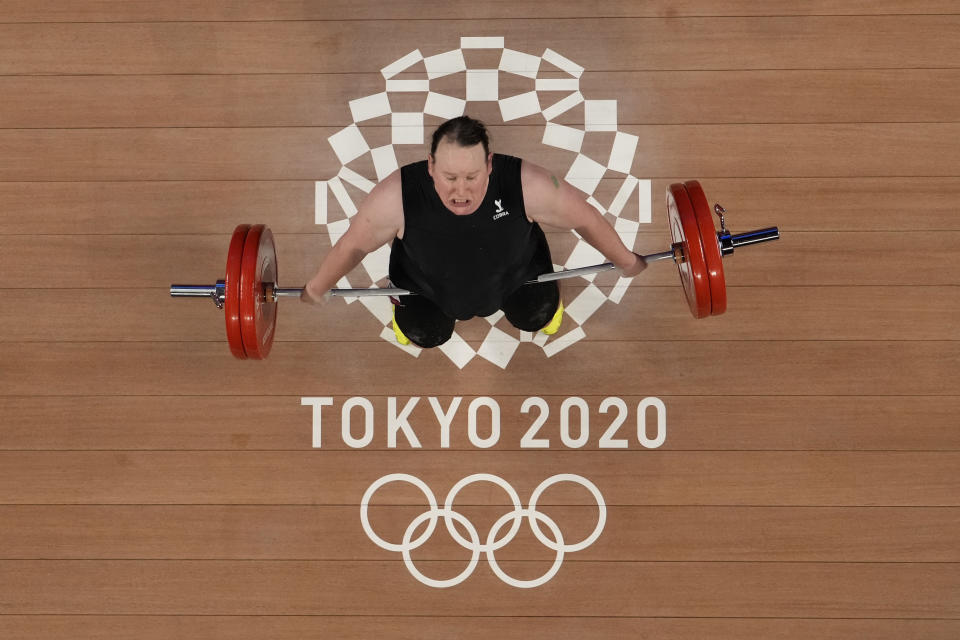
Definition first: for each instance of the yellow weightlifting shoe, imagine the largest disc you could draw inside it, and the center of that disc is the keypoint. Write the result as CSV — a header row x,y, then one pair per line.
x,y
401,339
554,325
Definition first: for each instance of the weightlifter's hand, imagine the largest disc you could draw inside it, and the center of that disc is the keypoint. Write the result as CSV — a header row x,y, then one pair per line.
x,y
639,264
309,298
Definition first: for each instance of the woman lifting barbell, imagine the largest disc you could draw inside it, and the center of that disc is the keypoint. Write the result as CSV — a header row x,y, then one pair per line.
x,y
465,231
464,227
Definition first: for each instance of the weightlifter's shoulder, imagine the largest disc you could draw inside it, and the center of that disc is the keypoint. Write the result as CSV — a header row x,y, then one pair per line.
x,y
380,215
386,198
387,191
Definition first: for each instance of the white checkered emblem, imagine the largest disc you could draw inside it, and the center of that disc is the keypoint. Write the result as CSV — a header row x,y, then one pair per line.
x,y
349,144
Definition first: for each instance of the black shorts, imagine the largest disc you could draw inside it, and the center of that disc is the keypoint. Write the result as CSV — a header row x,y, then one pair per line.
x,y
529,308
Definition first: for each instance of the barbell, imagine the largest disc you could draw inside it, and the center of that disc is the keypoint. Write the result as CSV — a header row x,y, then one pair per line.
x,y
249,293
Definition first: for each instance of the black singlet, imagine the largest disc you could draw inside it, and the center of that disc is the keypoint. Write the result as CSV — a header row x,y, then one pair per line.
x,y
466,265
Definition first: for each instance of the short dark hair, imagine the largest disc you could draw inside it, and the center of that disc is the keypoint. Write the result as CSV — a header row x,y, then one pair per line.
x,y
464,131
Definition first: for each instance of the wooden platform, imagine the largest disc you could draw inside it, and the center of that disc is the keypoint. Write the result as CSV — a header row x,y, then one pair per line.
x,y
152,486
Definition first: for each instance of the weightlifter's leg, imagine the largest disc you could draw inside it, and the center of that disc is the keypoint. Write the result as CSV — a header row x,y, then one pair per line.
x,y
533,307
421,322
536,307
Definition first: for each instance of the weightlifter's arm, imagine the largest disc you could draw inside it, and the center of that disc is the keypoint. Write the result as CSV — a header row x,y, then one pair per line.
x,y
554,202
378,220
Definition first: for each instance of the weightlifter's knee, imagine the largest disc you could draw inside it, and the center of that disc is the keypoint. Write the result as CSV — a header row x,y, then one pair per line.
x,y
533,306
422,324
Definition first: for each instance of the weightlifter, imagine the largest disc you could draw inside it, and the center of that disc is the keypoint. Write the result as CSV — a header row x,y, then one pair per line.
x,y
465,231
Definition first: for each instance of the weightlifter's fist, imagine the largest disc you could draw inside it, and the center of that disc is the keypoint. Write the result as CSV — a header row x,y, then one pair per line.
x,y
307,296
639,264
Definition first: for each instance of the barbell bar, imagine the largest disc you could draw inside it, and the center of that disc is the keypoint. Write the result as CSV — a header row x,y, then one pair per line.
x,y
249,294
218,291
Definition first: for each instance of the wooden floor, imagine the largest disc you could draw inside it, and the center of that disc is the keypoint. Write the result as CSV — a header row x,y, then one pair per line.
x,y
151,486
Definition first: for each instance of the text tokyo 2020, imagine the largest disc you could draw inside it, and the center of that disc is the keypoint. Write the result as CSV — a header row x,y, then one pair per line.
x,y
570,423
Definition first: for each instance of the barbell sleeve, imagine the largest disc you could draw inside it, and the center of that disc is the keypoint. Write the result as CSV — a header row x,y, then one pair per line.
x,y
192,290
216,292
730,242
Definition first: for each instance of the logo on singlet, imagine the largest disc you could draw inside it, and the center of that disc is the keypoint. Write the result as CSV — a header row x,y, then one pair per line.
x,y
500,210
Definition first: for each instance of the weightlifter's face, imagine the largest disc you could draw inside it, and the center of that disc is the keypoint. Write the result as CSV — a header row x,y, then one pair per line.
x,y
460,175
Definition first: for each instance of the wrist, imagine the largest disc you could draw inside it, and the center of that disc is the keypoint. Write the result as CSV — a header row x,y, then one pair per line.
x,y
627,262
308,296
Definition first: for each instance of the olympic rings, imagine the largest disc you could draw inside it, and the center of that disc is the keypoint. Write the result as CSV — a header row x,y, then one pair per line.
x,y
568,477
398,477
492,544
559,548
483,477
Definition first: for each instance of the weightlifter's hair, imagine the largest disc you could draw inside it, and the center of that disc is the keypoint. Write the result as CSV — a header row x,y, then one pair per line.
x,y
464,131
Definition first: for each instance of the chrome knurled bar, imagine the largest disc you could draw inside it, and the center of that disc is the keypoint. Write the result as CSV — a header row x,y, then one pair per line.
x,y
728,243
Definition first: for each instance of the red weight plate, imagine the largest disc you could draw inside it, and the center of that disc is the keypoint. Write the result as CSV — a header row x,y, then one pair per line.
x,y
258,317
693,269
231,302
711,247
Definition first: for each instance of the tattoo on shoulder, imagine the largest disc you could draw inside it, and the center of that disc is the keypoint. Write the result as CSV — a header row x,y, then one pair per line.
x,y
556,183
